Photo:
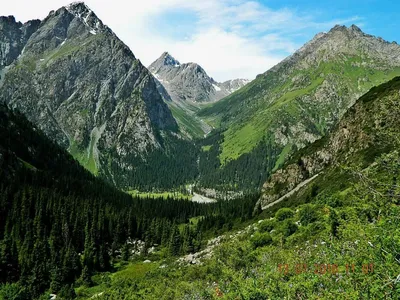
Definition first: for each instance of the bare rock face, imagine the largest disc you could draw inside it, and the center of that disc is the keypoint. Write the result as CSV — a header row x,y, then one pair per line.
x,y
84,88
13,37
189,82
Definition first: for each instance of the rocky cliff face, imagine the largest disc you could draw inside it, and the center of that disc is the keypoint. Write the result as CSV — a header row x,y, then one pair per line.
x,y
84,88
13,37
231,86
368,129
189,82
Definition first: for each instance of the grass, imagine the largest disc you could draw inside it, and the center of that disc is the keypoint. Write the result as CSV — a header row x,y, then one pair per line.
x,y
91,162
206,148
238,142
131,272
27,165
282,157
68,48
134,271
187,121
87,161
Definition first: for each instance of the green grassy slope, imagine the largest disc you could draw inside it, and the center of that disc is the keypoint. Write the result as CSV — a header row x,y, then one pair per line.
x,y
248,124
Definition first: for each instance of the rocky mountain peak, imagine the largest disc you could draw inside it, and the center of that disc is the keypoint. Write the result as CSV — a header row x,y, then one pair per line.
x,y
169,60
78,8
6,20
13,37
81,11
352,30
339,41
166,60
189,82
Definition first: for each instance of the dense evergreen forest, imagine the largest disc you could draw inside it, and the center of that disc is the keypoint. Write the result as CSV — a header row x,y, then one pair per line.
x,y
246,174
170,167
59,224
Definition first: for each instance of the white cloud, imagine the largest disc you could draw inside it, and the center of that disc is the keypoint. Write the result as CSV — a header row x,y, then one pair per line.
x,y
230,38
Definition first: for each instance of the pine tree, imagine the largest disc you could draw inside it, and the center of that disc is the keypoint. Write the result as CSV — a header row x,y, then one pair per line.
x,y
175,242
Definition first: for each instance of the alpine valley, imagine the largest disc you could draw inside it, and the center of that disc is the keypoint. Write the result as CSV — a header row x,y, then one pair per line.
x,y
119,181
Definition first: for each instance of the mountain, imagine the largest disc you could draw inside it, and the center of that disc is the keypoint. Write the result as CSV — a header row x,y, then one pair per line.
x,y
189,82
85,89
368,130
186,87
297,101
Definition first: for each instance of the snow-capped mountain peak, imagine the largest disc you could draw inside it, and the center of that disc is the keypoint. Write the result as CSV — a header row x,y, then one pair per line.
x,y
86,15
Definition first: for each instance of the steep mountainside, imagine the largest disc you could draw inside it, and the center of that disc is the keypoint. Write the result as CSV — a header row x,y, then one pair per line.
x,y
86,90
299,100
185,87
369,129
13,37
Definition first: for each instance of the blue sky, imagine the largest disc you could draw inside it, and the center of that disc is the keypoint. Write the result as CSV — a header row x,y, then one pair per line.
x,y
229,38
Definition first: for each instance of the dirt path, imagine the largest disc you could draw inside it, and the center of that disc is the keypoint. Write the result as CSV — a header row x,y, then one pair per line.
x,y
298,187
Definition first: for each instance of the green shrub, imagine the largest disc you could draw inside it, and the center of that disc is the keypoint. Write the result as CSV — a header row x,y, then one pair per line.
x,y
288,227
284,213
13,291
308,214
266,225
67,292
261,239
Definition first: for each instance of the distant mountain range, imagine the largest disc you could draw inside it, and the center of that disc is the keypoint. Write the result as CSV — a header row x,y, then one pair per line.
x,y
189,82
186,88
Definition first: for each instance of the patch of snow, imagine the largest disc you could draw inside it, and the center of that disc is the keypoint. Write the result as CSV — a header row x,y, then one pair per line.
x,y
217,88
42,59
176,65
84,15
63,42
